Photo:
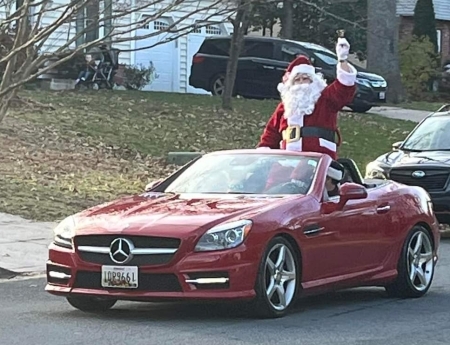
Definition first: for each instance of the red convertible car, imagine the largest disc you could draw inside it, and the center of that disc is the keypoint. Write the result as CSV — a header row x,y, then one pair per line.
x,y
221,227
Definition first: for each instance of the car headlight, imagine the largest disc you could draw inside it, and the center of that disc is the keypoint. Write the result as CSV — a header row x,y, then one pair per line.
x,y
364,82
64,232
224,236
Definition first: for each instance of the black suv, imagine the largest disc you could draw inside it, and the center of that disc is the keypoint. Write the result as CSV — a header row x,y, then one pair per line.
x,y
262,63
422,159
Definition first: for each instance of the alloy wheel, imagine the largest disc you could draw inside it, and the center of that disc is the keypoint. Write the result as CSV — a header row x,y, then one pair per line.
x,y
219,86
280,277
420,261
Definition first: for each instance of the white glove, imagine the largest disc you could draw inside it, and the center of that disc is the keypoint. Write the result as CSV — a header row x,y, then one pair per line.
x,y
342,48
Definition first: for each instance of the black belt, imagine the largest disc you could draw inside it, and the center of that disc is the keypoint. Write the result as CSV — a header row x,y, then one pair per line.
x,y
311,131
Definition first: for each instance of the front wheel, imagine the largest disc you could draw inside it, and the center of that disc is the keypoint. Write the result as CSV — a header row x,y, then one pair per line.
x,y
91,304
277,280
416,266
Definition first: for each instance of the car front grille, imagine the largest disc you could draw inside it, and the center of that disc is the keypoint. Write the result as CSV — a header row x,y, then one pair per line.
x,y
157,250
147,282
434,179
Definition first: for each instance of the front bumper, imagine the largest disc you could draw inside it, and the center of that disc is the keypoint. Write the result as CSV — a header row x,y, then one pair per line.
x,y
230,274
370,96
441,207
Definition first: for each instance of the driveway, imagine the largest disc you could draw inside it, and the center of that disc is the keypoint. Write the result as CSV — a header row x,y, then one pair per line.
x,y
400,113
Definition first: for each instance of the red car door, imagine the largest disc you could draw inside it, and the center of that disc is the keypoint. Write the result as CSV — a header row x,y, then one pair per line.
x,y
342,244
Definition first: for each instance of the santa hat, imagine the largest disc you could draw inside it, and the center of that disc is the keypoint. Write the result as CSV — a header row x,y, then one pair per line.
x,y
335,171
301,65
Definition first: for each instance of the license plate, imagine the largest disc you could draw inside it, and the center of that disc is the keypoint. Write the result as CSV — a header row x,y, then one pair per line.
x,y
382,95
122,277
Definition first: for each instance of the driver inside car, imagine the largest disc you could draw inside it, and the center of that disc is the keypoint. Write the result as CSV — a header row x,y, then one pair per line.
x,y
335,174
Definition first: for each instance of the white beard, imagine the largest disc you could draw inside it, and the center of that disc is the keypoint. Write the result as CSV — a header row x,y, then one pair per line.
x,y
300,100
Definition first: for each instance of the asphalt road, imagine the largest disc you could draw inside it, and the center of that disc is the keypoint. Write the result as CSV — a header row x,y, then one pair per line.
x,y
28,315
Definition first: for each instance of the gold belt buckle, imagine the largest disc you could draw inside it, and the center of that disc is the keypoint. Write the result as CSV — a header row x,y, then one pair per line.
x,y
287,134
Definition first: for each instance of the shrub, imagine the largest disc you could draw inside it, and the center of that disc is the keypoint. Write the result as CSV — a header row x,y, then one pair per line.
x,y
139,76
418,65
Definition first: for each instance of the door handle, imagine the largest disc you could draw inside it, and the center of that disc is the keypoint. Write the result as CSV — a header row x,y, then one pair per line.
x,y
383,209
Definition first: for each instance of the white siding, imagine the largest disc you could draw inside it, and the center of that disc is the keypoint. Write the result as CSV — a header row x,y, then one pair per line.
x,y
62,35
441,8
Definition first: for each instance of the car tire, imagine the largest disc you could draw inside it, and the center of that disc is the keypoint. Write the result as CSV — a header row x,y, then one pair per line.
x,y
270,280
217,85
361,108
91,304
418,255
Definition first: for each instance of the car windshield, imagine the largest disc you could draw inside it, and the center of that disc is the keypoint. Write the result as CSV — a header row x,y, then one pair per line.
x,y
247,174
324,54
431,135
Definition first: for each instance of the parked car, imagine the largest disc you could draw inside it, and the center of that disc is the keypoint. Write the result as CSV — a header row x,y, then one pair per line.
x,y
422,159
212,230
262,63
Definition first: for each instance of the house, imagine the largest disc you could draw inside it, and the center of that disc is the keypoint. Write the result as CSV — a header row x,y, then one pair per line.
x,y
172,60
405,10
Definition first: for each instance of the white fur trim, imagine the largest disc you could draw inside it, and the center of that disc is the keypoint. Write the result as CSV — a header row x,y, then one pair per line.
x,y
328,144
346,78
303,69
334,174
294,146
263,148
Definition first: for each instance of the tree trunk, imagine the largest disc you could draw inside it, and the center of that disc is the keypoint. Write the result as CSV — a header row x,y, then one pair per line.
x,y
92,18
287,21
12,65
382,46
240,25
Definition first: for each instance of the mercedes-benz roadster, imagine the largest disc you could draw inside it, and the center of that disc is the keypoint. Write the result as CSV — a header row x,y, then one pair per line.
x,y
218,228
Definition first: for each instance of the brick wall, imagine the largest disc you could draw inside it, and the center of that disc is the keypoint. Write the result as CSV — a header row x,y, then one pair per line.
x,y
406,28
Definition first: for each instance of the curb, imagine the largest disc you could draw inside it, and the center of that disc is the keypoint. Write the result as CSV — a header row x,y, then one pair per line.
x,y
445,234
7,274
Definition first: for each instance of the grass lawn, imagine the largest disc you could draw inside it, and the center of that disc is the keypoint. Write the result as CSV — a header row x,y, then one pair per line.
x,y
99,145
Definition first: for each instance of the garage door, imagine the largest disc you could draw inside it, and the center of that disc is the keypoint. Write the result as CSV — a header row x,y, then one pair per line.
x,y
194,43
163,56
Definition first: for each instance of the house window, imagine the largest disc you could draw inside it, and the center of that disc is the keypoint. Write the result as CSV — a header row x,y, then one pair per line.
x,y
213,30
439,40
160,26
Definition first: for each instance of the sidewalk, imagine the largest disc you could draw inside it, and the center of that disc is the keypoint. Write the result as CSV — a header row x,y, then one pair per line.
x,y
400,113
23,245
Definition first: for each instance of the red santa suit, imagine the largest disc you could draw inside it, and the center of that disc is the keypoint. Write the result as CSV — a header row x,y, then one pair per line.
x,y
309,122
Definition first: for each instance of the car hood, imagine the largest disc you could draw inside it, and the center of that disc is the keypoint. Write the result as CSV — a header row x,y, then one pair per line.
x,y
369,76
399,158
168,215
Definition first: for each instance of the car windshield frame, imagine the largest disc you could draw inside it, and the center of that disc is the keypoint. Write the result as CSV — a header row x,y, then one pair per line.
x,y
411,143
231,173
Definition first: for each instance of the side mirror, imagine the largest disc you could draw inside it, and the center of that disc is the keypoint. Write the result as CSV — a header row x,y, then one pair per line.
x,y
351,191
153,184
396,146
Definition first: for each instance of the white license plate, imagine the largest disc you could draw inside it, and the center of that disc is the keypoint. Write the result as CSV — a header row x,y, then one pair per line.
x,y
382,95
122,277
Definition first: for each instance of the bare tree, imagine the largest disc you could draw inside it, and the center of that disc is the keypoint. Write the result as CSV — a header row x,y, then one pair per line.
x,y
287,19
31,34
240,26
382,45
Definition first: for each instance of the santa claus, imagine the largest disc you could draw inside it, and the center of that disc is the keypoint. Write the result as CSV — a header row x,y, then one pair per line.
x,y
306,118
